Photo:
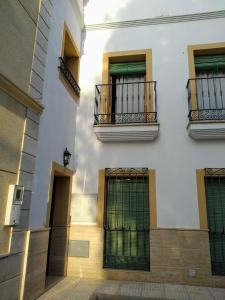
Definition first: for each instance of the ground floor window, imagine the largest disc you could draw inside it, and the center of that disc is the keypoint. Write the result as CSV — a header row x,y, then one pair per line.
x,y
126,219
215,200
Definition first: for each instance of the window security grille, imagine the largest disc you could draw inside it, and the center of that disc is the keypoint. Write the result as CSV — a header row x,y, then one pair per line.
x,y
207,89
126,219
215,197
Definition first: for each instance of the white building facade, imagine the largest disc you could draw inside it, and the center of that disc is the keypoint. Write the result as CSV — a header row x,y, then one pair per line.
x,y
142,197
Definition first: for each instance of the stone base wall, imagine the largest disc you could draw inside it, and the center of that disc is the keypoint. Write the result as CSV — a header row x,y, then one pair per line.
x,y
34,284
11,267
176,256
23,270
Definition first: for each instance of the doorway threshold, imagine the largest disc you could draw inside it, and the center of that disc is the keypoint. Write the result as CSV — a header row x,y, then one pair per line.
x,y
51,281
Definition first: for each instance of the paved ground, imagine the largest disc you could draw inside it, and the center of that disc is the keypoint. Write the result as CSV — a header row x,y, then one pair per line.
x,y
82,289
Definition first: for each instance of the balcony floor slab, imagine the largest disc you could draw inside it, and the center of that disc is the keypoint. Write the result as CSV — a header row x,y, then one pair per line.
x,y
126,132
206,130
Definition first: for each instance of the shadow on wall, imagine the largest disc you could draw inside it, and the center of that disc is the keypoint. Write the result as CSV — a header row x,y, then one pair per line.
x,y
11,138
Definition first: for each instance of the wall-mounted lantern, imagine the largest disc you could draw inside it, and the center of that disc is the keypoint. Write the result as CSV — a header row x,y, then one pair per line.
x,y
66,157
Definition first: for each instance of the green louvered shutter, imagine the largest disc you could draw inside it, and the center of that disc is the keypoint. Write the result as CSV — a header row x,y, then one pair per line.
x,y
215,194
127,68
213,63
127,224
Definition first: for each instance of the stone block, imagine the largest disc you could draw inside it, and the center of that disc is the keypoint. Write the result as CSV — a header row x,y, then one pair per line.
x,y
37,81
9,290
11,112
43,42
33,116
18,241
27,163
48,5
5,180
31,128
43,27
10,266
40,53
26,200
32,7
38,242
35,284
34,93
30,145
36,262
21,31
26,180
45,15
24,218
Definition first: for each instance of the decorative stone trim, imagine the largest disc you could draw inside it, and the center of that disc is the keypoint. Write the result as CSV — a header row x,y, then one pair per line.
x,y
157,20
16,93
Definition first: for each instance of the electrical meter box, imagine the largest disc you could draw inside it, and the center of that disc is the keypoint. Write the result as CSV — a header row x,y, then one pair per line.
x,y
14,204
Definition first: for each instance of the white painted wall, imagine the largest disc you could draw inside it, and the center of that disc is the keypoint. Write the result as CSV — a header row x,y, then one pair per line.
x,y
57,125
174,155
98,11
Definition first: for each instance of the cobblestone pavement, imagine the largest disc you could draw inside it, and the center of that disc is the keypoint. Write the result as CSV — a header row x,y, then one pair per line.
x,y
71,288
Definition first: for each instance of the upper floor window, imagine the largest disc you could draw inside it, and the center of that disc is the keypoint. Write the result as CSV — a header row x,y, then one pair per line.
x,y
69,64
210,83
127,92
128,80
206,86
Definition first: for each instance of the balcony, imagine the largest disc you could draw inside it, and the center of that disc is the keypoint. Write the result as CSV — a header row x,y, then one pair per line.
x,y
69,77
206,101
126,112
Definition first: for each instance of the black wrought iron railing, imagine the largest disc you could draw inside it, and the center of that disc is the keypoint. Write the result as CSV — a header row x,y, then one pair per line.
x,y
206,98
69,76
123,103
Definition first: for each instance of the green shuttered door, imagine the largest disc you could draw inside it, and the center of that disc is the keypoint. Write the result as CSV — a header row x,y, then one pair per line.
x,y
127,224
215,194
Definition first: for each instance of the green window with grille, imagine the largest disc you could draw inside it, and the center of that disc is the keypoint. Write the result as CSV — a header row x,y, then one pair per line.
x,y
215,199
126,219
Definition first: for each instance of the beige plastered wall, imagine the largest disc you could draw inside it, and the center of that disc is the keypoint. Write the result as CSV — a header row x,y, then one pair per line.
x,y
19,115
18,22
12,116
23,56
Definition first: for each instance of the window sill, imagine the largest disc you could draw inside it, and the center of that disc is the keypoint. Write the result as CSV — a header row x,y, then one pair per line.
x,y
126,132
206,130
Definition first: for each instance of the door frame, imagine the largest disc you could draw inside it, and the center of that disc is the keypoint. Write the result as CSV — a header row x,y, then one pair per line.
x,y
58,170
61,171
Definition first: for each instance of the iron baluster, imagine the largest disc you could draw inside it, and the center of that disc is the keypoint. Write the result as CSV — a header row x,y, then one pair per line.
x,y
127,99
203,102
209,108
215,92
138,98
208,92
221,94
113,100
132,98
68,76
